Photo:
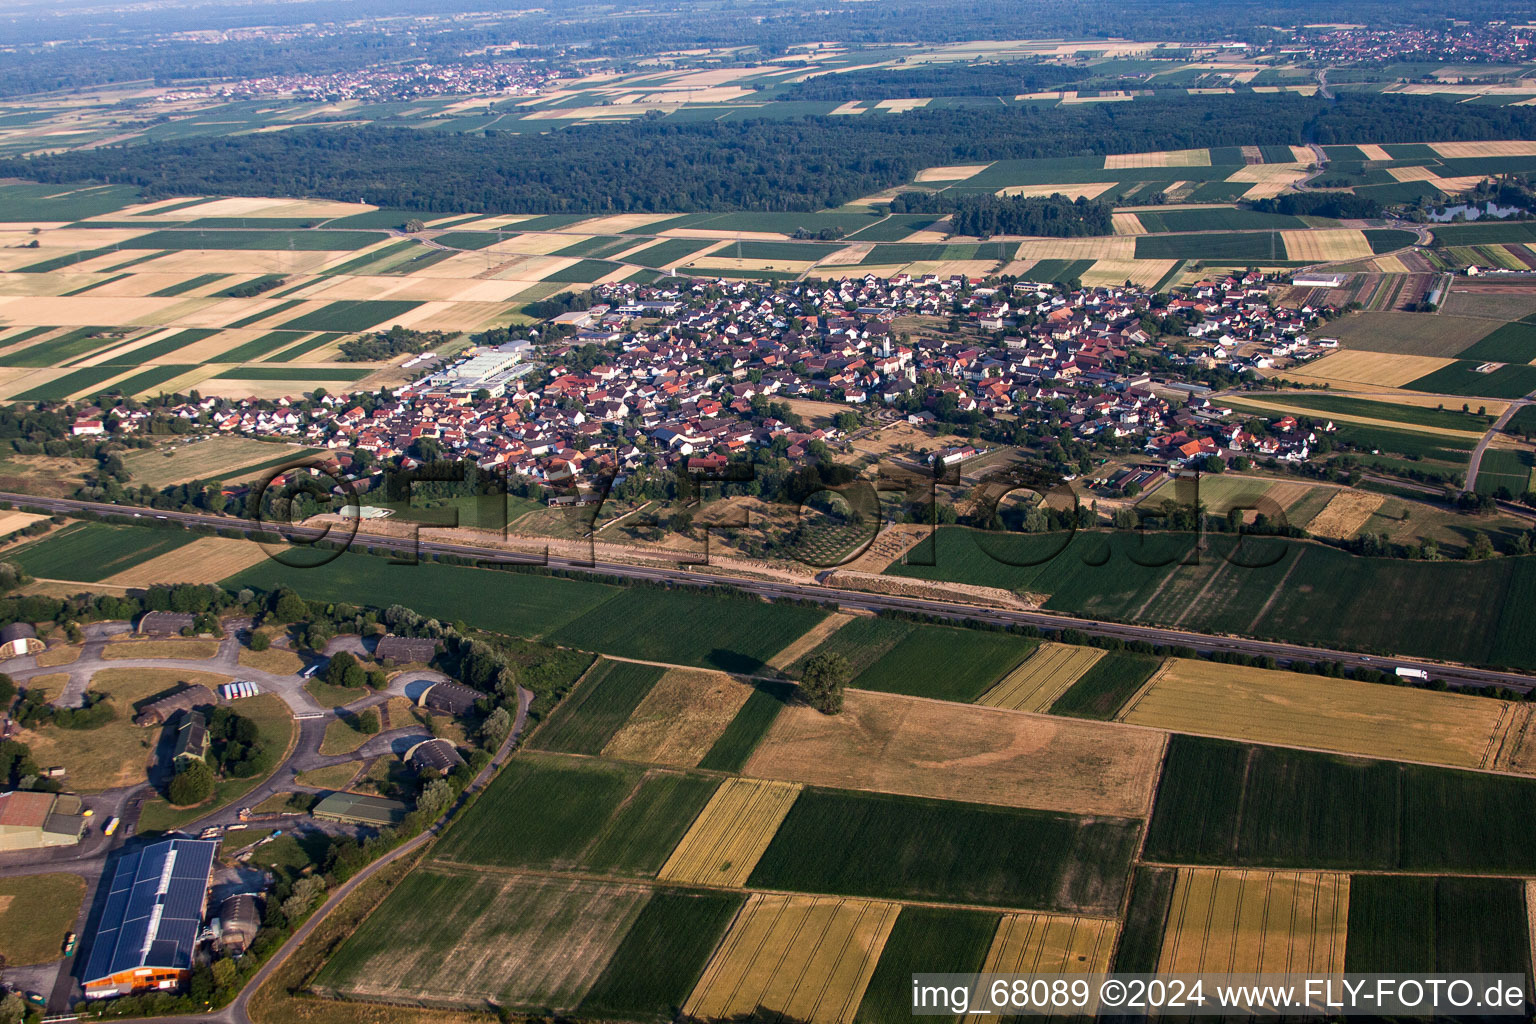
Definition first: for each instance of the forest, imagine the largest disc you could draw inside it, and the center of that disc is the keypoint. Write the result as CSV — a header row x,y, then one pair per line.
x,y
985,215
653,164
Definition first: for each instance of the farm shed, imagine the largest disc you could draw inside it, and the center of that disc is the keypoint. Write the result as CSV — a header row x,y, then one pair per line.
x,y
239,920
148,928
29,821
405,648
449,698
191,738
164,623
433,757
164,709
354,809
19,638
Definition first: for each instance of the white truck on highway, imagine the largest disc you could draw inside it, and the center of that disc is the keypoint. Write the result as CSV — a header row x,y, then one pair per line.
x,y
1412,673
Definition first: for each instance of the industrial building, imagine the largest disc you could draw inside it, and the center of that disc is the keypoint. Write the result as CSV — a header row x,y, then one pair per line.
x,y
238,922
449,698
164,709
355,809
487,370
19,638
30,821
149,925
433,757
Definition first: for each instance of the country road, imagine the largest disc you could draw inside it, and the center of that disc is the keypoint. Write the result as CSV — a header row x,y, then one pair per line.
x,y
1493,431
954,608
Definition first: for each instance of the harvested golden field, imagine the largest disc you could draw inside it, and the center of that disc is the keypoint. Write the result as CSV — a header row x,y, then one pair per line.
x,y
1256,921
1412,173
1373,152
1344,514
680,718
1162,158
1382,369
1106,247
217,458
273,659
190,650
1051,944
1044,676
1325,245
10,522
1128,224
811,640
956,172
807,958
1290,709
1074,191
1113,273
1455,150
730,834
1267,180
895,744
205,560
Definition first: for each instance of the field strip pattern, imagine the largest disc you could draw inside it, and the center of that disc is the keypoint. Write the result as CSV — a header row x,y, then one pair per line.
x,y
806,957
731,833
1049,944
1042,678
1288,709
810,640
1256,921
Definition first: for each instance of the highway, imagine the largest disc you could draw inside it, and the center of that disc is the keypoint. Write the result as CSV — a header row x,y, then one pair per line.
x,y
1454,675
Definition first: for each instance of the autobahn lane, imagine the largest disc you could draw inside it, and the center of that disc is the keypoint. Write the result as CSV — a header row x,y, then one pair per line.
x,y
1205,643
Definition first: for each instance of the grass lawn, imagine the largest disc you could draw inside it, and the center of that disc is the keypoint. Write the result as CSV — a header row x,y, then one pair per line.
x,y
333,696
341,738
273,659
275,726
173,650
335,776
36,913
117,753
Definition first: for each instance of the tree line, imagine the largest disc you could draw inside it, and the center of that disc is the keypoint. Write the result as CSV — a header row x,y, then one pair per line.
x,y
984,214
656,165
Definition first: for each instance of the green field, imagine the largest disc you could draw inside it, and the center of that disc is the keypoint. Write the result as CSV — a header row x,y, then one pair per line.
x,y
549,812
189,284
586,720
894,228
201,238
1102,691
1256,246
1513,380
599,245
258,347
163,347
1388,239
864,640
1219,219
1127,576
1141,937
924,940
61,388
669,252
60,350
684,627
351,315
1404,442
871,844
1229,803
90,552
1502,467
328,373
583,272
1511,343
661,957
519,604
1485,234
1444,419
944,663
752,722
1423,924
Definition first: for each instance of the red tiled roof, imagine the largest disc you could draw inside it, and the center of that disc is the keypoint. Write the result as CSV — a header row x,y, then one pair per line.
x,y
25,810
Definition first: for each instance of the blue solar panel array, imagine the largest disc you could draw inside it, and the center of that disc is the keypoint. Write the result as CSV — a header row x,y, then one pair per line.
x,y
154,908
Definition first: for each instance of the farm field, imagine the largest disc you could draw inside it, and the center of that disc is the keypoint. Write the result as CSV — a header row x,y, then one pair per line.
x,y
1506,469
521,941
1102,691
1143,578
891,847
1253,922
723,844
1224,803
904,745
1271,706
1043,677
204,560
36,912
936,939
1422,924
601,703
805,957
680,719
740,738
1051,944
1449,421
942,662
91,552
1466,377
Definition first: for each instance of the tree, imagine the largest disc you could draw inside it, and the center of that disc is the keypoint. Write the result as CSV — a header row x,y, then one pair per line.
x,y
306,893
7,689
260,641
823,680
368,722
495,728
340,667
290,607
192,784
435,797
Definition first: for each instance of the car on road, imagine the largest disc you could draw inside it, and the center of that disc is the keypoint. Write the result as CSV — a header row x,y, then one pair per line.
x,y
111,827
70,941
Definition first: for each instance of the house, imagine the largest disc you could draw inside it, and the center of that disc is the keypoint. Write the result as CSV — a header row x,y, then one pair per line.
x,y
356,809
191,738
17,639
